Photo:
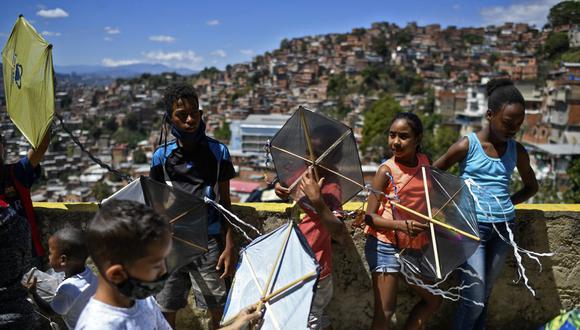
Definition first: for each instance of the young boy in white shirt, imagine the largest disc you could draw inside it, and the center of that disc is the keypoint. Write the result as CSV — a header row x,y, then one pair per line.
x,y
68,253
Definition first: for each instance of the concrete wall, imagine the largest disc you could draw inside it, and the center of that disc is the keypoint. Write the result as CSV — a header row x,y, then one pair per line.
x,y
540,228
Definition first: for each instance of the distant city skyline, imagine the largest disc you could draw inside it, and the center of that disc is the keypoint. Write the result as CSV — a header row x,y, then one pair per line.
x,y
194,35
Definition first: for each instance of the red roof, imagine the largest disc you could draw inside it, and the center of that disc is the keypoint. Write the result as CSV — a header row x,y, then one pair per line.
x,y
243,186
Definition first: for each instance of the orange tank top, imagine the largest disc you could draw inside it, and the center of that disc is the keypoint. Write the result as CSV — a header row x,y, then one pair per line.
x,y
410,191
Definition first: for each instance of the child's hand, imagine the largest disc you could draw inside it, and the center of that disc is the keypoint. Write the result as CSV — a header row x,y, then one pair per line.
x,y
248,315
31,285
414,228
281,191
311,188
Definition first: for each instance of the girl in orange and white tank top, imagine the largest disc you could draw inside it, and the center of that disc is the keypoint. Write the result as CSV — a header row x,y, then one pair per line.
x,y
386,234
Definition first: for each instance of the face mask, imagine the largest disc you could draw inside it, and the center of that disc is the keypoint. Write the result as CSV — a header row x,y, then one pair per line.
x,y
137,289
196,136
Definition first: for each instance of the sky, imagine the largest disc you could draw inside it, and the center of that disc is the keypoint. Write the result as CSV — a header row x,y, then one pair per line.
x,y
198,34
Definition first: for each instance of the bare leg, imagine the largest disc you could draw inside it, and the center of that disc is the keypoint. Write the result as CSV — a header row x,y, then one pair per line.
x,y
423,310
216,316
385,290
170,317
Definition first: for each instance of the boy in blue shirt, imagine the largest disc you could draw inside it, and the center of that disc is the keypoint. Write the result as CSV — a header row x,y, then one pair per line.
x,y
200,166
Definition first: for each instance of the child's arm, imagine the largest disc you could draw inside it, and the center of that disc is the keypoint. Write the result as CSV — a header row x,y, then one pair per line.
x,y
311,189
528,177
35,155
226,260
380,182
455,154
41,303
244,319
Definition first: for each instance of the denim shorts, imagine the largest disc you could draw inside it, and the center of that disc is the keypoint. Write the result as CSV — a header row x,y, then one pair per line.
x,y
381,256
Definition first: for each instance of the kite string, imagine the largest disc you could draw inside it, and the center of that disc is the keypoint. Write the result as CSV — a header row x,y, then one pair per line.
x,y
121,175
229,216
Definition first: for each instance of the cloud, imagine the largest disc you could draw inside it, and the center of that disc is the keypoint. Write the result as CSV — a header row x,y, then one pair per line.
x,y
52,13
2,34
180,59
108,39
162,38
50,34
213,22
113,63
531,12
112,30
456,7
219,53
249,52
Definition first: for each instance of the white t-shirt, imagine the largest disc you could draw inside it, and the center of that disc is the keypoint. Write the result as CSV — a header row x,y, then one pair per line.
x,y
73,294
144,314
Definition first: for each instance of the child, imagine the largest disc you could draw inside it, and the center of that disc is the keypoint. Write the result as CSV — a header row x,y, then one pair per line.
x,y
68,253
128,243
318,227
200,166
488,157
383,232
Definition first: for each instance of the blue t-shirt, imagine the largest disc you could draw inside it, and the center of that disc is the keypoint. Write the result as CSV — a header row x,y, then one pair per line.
x,y
197,173
494,176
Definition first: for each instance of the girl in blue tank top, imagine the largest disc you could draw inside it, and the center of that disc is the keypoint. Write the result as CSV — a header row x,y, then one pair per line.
x,y
488,158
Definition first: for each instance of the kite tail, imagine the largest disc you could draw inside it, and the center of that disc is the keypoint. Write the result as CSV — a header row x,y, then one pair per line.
x,y
510,239
229,215
517,250
408,270
268,154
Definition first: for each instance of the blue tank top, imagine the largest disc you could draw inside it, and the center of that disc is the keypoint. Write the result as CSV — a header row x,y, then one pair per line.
x,y
494,176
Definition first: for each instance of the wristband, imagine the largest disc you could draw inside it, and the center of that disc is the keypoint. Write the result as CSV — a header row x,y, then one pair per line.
x,y
368,219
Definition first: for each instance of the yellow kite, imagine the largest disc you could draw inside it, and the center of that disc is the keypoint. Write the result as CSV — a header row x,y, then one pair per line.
x,y
28,81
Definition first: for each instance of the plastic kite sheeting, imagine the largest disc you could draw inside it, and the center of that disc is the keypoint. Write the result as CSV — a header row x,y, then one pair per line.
x,y
187,215
28,81
307,139
444,202
277,271
46,284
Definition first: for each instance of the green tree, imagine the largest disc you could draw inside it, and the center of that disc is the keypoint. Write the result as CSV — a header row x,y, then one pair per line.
x,y
556,43
377,119
572,195
139,157
565,12
337,85
100,191
223,133
379,46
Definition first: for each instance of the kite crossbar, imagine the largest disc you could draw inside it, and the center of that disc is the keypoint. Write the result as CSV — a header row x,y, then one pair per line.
x,y
309,142
437,222
288,286
190,243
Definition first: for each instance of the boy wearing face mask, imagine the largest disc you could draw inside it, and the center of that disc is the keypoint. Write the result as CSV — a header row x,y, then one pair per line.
x,y
128,243
200,166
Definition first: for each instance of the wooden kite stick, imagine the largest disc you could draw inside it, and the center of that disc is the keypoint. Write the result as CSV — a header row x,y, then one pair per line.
x,y
437,222
288,286
190,243
431,226
246,257
282,248
448,201
309,143
180,216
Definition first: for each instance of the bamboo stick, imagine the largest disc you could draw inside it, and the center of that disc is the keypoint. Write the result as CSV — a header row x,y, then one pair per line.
x,y
437,222
190,243
431,226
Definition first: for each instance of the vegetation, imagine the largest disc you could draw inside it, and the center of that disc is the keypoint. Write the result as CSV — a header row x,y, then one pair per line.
x,y
565,12
572,195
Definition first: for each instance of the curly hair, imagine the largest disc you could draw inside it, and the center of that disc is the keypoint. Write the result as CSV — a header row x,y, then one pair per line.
x,y
179,91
